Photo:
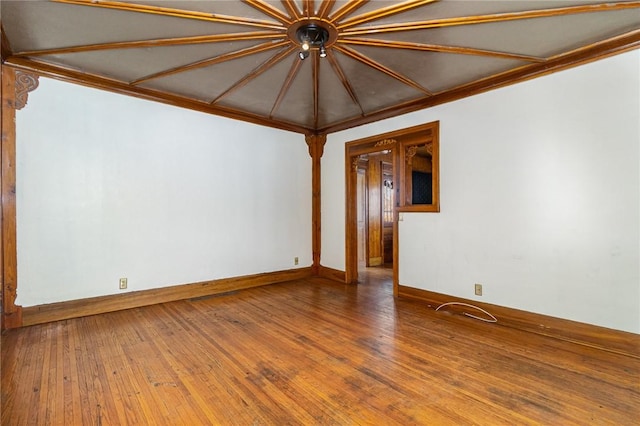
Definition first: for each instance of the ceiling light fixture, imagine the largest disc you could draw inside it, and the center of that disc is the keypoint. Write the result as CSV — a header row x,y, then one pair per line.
x,y
312,36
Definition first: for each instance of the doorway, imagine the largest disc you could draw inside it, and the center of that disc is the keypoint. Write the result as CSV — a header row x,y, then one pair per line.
x,y
386,175
375,202
371,199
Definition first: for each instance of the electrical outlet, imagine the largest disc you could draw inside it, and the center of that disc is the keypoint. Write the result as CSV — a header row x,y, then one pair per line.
x,y
123,283
295,260
478,289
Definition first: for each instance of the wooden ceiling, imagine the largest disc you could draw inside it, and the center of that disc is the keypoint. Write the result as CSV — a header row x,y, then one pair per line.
x,y
239,59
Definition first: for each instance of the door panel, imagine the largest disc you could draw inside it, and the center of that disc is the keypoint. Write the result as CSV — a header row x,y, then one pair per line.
x,y
362,217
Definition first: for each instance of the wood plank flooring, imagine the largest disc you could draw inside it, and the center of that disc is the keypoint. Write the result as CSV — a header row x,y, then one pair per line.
x,y
306,352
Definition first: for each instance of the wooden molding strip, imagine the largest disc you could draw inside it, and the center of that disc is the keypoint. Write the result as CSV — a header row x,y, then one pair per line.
x,y
597,51
158,42
383,12
483,19
97,82
255,73
383,69
5,46
211,61
620,342
292,9
269,10
333,274
346,9
389,44
178,13
295,67
325,7
116,302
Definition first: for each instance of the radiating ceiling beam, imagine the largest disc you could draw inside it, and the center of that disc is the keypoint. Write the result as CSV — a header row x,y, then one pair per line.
x,y
346,9
378,66
212,61
293,71
483,19
316,89
292,8
5,46
255,73
176,13
345,81
383,12
309,8
325,8
438,48
596,51
269,10
177,41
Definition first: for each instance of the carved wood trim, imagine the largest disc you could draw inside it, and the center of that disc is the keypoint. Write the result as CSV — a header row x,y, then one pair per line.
x,y
355,163
410,153
385,142
25,82
316,144
429,148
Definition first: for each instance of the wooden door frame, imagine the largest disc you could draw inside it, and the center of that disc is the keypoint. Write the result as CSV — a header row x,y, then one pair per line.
x,y
353,150
402,144
365,210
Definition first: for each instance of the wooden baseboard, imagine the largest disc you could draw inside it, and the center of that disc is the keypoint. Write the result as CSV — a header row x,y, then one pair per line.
x,y
12,319
333,274
620,342
99,305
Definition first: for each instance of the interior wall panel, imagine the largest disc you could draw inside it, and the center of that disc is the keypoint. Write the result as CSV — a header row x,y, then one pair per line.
x,y
110,186
540,196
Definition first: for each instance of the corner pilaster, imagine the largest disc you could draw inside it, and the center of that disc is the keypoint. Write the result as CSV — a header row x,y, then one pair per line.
x,y
316,149
16,86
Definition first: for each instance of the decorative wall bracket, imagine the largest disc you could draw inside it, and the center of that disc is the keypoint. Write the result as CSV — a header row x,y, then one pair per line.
x,y
25,83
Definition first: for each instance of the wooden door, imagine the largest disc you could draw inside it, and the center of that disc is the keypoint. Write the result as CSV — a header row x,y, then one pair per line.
x,y
362,217
374,229
387,192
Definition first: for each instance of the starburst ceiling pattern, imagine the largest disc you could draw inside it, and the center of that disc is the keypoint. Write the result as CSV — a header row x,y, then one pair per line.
x,y
241,59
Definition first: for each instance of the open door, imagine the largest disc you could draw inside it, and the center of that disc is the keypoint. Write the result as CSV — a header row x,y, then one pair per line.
x,y
370,217
375,209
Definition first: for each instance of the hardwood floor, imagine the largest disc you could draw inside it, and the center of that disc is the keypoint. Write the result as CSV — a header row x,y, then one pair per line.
x,y
306,352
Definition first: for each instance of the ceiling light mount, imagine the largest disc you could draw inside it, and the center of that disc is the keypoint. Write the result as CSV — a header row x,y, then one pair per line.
x,y
312,36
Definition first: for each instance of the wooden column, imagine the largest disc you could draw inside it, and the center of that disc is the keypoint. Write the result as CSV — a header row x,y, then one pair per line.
x,y
16,86
316,149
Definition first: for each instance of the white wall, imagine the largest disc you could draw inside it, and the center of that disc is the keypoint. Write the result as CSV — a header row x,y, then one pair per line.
x,y
110,186
540,196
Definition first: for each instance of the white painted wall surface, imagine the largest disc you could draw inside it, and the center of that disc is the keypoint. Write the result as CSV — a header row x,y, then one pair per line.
x,y
110,186
540,196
